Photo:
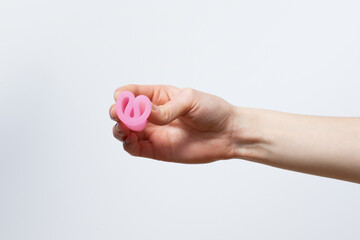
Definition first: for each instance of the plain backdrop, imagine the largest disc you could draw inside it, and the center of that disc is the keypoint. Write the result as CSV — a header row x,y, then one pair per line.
x,y
64,176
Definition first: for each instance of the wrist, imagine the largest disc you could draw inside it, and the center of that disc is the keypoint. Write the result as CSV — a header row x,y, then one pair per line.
x,y
247,134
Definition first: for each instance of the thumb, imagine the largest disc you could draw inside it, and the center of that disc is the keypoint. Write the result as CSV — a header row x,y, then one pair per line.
x,y
175,108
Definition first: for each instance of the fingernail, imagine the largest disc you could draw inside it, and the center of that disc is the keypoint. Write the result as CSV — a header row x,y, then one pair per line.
x,y
118,127
127,140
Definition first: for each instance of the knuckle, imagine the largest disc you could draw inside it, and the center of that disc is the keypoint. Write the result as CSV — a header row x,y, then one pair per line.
x,y
116,92
130,149
188,96
119,135
188,92
115,133
112,112
165,114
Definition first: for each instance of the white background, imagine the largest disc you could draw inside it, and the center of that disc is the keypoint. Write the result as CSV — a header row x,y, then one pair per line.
x,y
64,176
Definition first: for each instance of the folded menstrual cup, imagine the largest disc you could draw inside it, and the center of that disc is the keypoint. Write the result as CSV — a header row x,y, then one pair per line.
x,y
133,112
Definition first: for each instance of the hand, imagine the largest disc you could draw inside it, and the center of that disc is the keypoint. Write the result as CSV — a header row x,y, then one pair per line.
x,y
185,126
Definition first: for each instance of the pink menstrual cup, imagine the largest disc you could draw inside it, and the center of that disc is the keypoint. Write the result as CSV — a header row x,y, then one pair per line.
x,y
133,112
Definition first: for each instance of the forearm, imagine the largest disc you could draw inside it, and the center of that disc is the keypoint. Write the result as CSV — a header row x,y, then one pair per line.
x,y
325,146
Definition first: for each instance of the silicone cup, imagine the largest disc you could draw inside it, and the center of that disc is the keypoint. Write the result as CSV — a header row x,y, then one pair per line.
x,y
133,112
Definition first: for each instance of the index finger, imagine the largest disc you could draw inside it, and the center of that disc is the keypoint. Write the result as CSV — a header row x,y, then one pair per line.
x,y
158,94
147,90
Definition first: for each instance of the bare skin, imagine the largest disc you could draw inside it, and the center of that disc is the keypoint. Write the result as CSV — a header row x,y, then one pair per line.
x,y
189,126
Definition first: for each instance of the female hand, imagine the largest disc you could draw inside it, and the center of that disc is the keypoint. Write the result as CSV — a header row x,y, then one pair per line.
x,y
185,125
189,126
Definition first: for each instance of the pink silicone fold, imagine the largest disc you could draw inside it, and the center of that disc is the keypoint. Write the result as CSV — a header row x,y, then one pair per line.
x,y
133,112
